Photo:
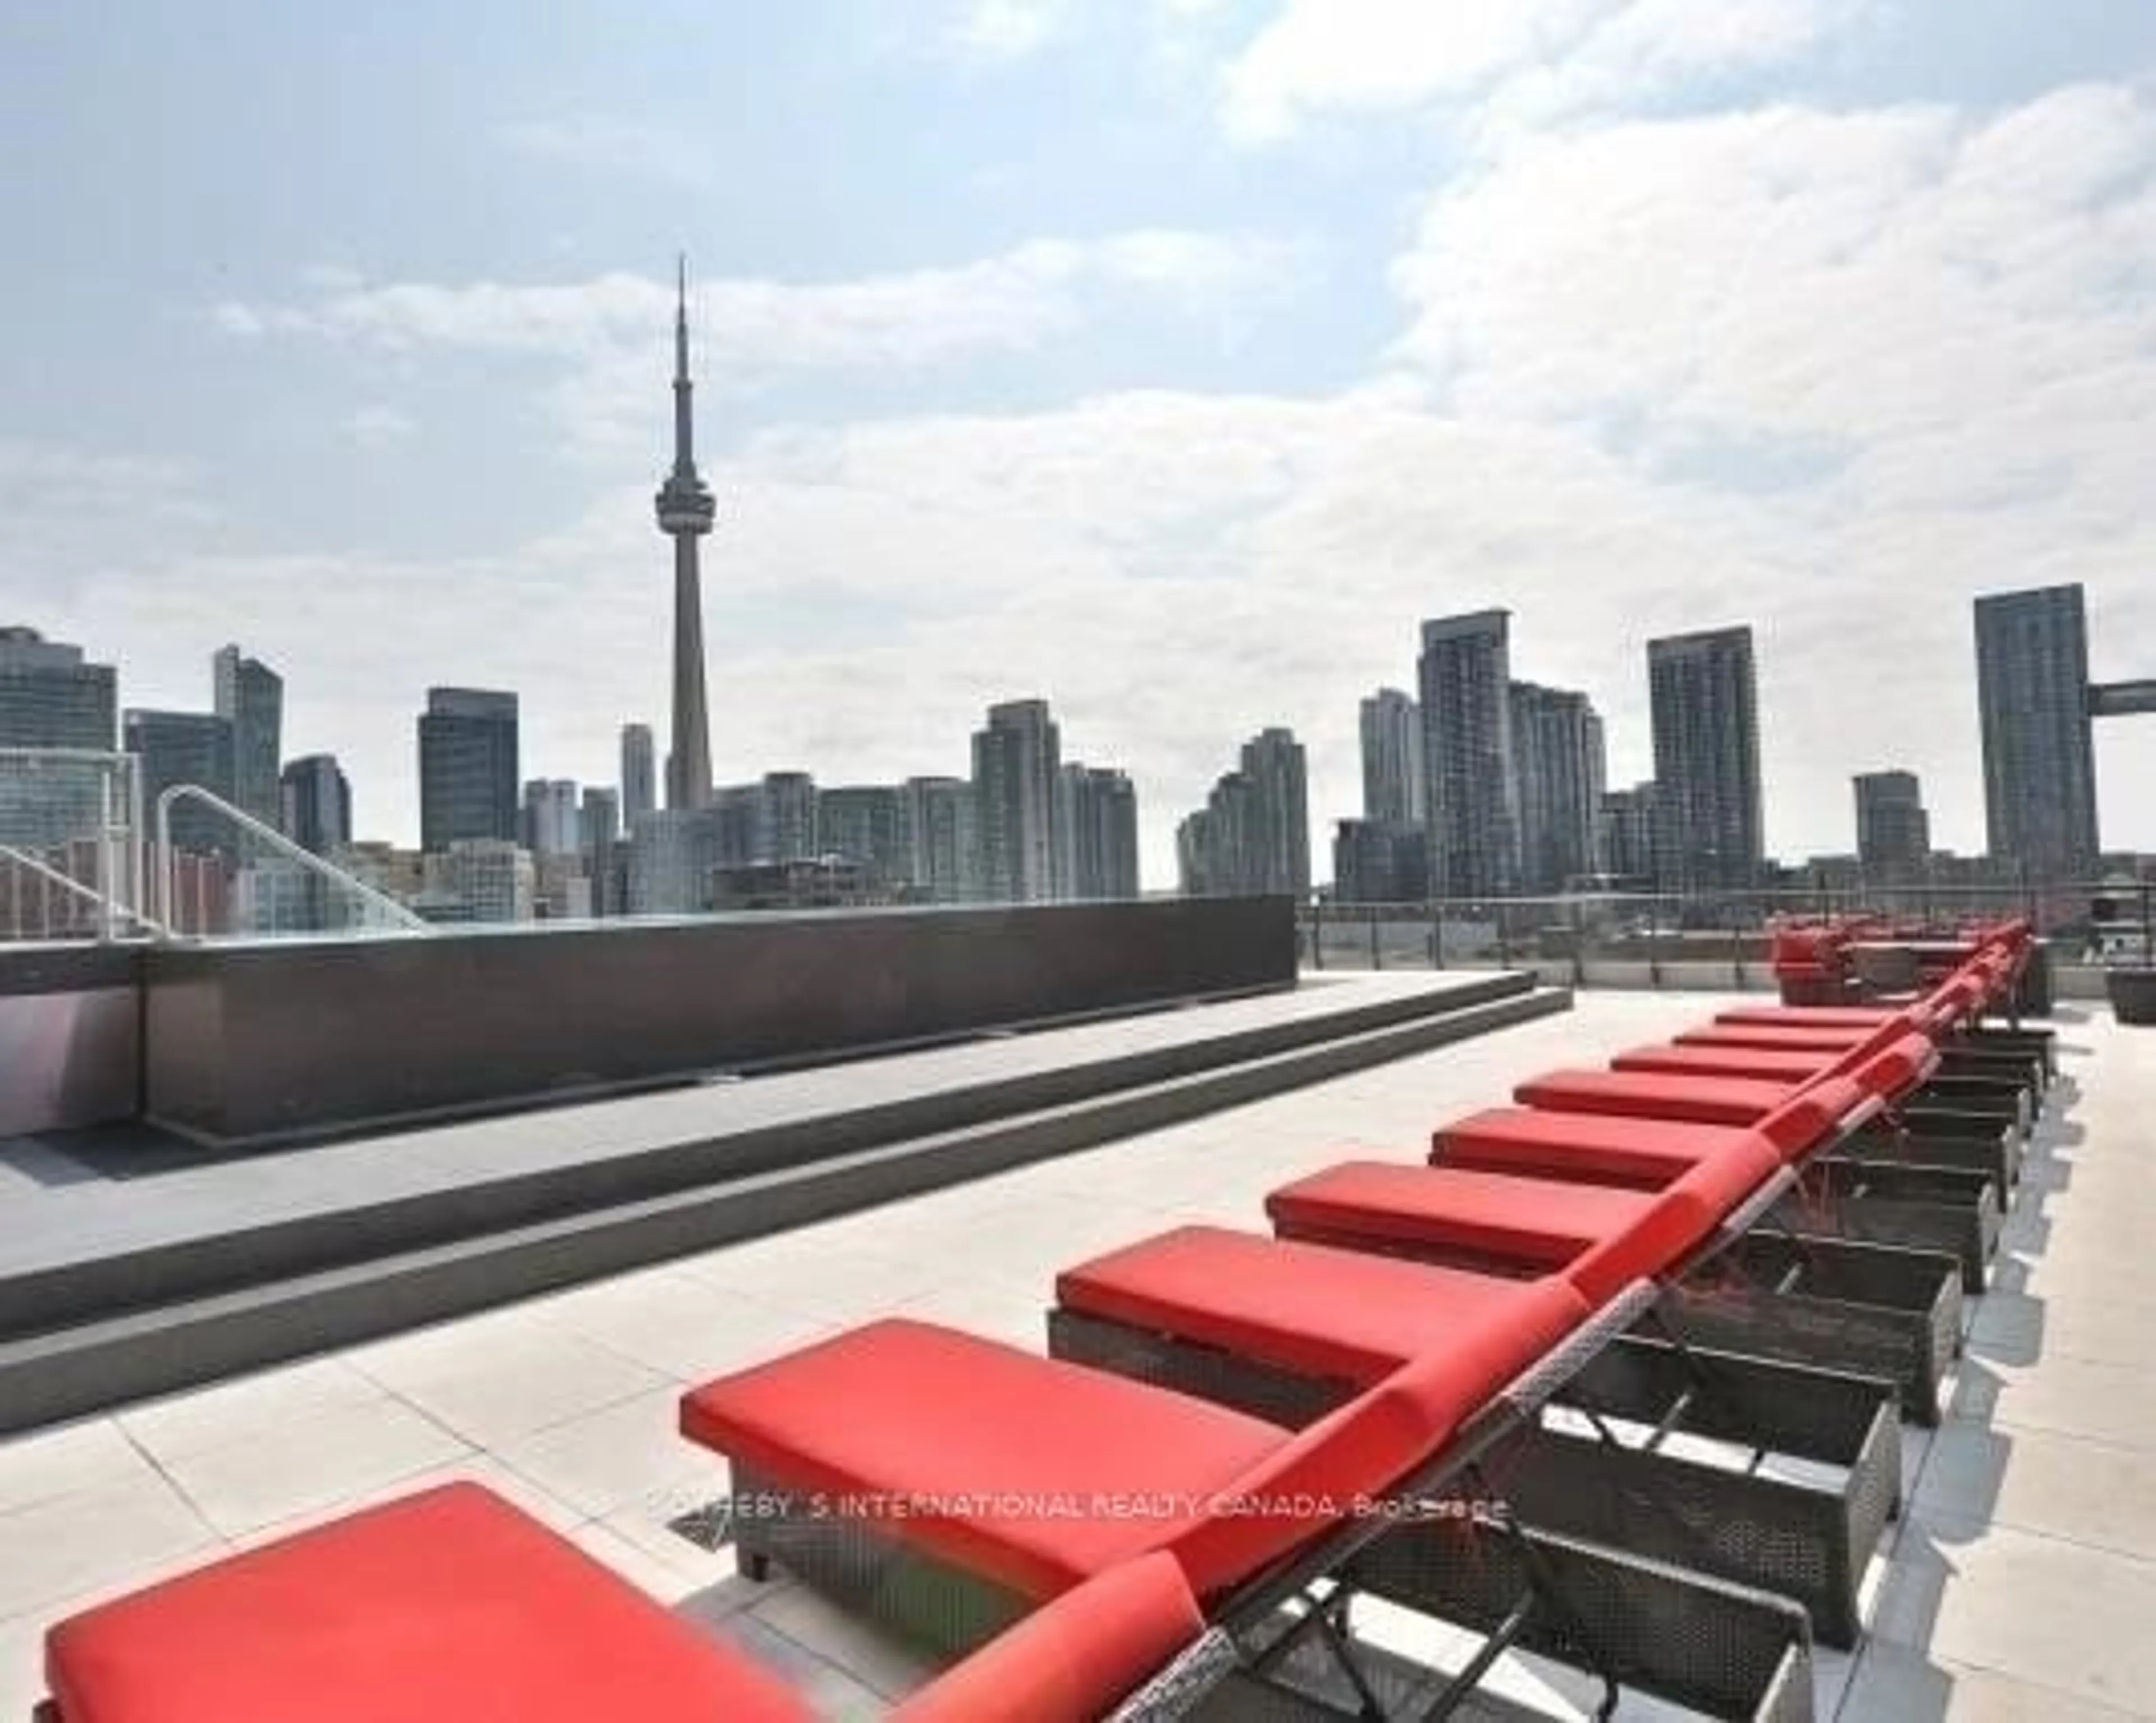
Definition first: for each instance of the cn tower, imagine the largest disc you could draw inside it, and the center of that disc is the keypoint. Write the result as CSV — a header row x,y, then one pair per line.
x,y
685,510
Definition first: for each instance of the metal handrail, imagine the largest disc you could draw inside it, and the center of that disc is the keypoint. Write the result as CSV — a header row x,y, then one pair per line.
x,y
119,861
168,872
68,882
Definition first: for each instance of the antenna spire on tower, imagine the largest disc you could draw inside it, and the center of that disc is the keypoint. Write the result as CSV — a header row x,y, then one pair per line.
x,y
684,509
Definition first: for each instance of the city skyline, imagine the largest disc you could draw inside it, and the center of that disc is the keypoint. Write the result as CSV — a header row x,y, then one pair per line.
x,y
1306,357
1550,760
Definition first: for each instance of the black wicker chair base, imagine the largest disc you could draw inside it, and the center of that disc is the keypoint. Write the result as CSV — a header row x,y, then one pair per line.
x,y
851,1560
2041,1044
1647,1621
2002,1102
1701,1642
1870,1309
1941,1139
1304,1684
1808,1541
1922,1207
2006,1065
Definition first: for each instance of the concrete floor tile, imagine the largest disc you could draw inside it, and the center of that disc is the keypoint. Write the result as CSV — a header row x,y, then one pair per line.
x,y
685,1329
879,1661
311,1463
243,1407
65,1459
834,1286
994,1311
2037,1610
470,1468
629,1454
2060,1486
95,1540
2104,1402
1892,1684
490,1388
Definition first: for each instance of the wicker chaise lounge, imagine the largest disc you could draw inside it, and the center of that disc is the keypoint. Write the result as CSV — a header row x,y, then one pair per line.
x,y
2004,1098
1908,1127
451,1606
946,1485
1288,1331
1853,1186
1865,1308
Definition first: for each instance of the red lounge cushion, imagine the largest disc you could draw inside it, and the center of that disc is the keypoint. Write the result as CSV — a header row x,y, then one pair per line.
x,y
1855,1017
1812,1115
1355,1455
1647,1094
1073,1660
1683,1218
1000,1454
1900,1069
1598,1148
450,1603
1535,1224
1340,1315
1601,1236
1723,1062
1775,1037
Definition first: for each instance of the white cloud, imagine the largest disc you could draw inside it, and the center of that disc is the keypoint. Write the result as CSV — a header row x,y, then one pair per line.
x,y
64,526
376,425
1852,285
609,335
1534,57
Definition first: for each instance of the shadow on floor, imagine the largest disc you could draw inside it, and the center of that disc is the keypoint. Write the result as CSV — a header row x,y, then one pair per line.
x,y
104,1154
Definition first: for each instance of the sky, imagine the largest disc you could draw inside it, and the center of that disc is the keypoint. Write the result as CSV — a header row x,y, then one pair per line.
x,y
1171,359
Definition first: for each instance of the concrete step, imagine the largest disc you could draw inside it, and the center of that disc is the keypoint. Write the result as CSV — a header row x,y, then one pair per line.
x,y
100,1282
85,1366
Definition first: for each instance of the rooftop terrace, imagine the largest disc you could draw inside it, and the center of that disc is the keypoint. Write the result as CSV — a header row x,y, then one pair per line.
x,y
2020,1584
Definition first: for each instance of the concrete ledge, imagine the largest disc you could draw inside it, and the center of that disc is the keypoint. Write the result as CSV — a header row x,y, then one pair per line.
x,y
70,1036
502,1173
92,1364
248,1044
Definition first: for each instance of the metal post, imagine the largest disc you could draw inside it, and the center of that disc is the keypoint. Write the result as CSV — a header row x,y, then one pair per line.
x,y
107,856
1377,956
138,839
1317,933
1578,944
1436,934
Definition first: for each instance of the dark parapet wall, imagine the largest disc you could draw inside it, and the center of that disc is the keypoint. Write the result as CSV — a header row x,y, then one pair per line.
x,y
258,1043
70,1044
